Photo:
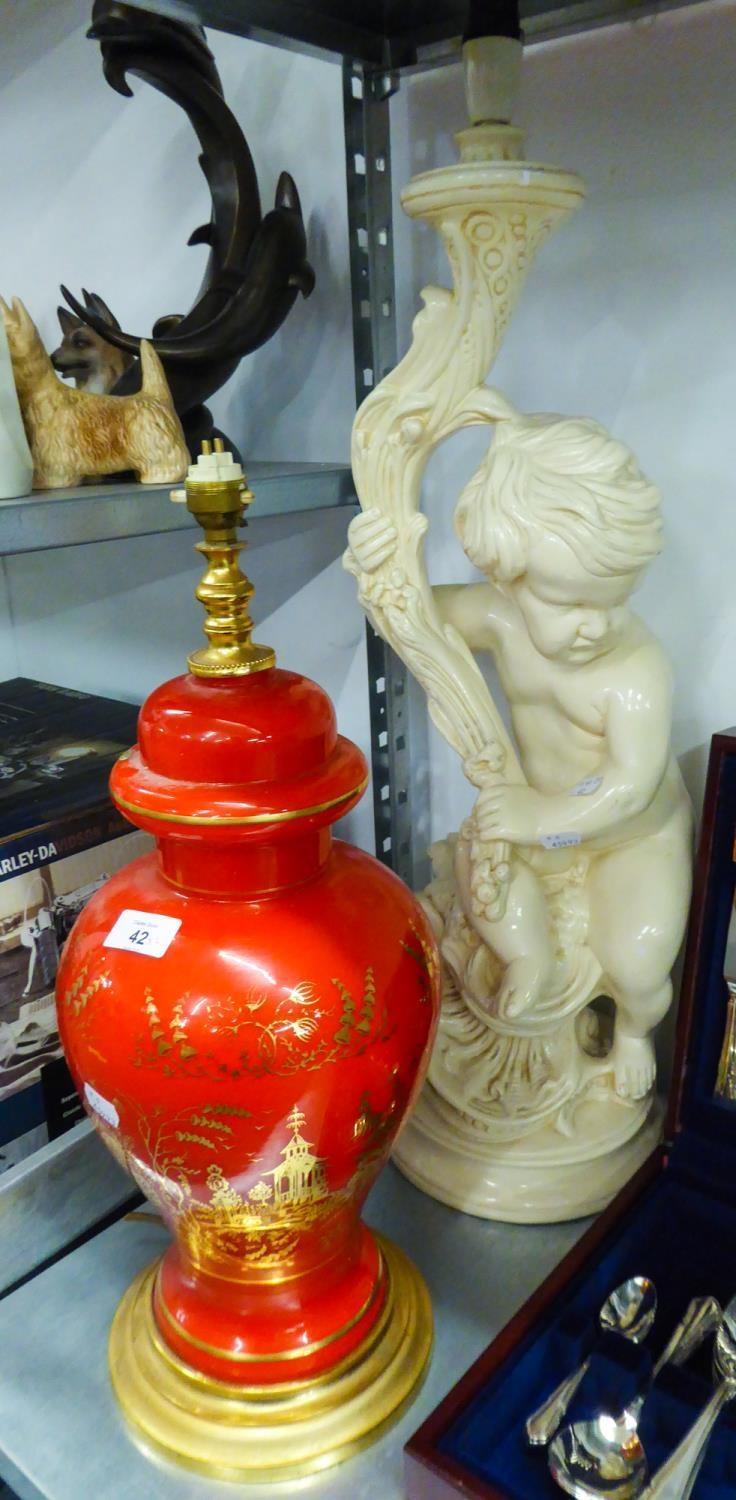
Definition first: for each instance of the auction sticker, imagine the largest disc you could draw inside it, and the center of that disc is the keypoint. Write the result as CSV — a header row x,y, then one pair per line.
x,y
143,932
560,840
101,1106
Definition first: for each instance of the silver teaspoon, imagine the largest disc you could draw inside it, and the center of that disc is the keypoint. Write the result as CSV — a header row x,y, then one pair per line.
x,y
605,1457
676,1478
630,1311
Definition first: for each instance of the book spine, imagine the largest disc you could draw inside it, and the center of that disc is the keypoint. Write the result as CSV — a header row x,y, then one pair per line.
x,y
70,834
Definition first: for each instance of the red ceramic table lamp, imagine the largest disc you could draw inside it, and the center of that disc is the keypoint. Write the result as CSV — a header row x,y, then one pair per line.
x,y
247,1013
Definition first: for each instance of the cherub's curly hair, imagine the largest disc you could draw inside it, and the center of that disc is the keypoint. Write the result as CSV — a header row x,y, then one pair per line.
x,y
566,476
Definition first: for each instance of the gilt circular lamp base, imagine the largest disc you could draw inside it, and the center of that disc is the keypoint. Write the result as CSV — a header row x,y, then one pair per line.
x,y
544,1178
282,1432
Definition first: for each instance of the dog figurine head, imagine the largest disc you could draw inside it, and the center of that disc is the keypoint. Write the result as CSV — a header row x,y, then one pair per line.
x,y
84,355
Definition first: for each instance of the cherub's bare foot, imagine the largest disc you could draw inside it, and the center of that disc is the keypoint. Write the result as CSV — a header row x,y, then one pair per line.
x,y
521,987
633,1063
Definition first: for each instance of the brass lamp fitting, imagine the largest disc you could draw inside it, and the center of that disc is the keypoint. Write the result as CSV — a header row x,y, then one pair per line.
x,y
216,493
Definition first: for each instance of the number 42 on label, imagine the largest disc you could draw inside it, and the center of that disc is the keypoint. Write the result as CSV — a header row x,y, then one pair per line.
x,y
145,932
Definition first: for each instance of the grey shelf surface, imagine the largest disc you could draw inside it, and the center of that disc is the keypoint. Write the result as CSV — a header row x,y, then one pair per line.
x,y
54,1195
62,1438
108,512
383,34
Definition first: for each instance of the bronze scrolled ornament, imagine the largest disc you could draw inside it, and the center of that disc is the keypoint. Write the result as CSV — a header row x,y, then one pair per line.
x,y
257,262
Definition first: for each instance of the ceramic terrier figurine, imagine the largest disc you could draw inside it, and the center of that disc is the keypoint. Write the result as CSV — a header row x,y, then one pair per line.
x,y
16,465
75,435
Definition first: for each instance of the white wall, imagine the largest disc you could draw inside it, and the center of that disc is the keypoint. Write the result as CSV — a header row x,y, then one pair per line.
x,y
106,191
627,316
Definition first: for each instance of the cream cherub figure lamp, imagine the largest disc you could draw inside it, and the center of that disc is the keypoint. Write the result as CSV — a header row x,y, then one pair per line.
x,y
561,903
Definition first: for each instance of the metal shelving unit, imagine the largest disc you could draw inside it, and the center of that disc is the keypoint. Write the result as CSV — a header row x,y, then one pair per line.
x,y
73,1442
375,41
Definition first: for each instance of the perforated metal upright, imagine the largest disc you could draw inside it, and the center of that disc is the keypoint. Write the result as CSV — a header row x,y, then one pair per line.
x,y
398,730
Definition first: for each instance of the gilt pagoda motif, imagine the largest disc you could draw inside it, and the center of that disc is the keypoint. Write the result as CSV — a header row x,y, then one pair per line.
x,y
300,1178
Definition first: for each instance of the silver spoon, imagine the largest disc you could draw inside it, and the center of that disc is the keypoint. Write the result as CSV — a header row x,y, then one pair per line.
x,y
676,1478
605,1457
630,1311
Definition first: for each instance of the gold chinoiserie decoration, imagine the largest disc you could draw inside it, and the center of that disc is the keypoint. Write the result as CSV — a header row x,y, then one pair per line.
x,y
216,493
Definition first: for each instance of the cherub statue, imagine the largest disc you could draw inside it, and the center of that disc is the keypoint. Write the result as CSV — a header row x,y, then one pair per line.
x,y
562,523
560,903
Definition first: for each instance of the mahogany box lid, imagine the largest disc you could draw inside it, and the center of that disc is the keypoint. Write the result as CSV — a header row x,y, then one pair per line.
x,y
697,1120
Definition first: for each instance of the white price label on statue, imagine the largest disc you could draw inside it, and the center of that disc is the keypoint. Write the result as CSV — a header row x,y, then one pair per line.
x,y
143,932
559,840
101,1106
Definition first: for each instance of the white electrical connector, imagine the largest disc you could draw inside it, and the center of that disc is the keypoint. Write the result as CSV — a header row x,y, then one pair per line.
x,y
211,468
492,73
